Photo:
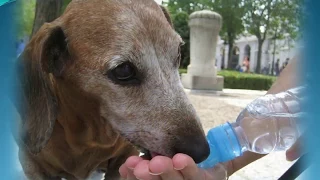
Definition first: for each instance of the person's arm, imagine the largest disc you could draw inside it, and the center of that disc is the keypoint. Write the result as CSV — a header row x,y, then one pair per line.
x,y
289,78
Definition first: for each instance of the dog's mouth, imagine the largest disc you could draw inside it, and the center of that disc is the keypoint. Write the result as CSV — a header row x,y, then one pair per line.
x,y
147,154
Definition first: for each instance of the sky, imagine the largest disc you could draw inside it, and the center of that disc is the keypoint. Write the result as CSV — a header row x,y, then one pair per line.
x,y
159,1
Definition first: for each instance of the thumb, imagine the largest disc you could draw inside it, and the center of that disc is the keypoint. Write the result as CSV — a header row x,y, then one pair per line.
x,y
295,151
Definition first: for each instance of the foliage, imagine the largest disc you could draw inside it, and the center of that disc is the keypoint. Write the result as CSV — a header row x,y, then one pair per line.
x,y
182,71
286,20
46,12
187,6
262,18
230,10
180,23
65,4
180,11
24,17
237,80
273,18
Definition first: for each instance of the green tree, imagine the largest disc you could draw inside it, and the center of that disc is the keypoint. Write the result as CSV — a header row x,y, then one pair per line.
x,y
271,18
188,6
231,11
180,23
286,24
46,11
180,11
65,4
25,15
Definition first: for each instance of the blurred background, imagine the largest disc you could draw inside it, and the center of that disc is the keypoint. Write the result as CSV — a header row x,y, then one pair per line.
x,y
257,40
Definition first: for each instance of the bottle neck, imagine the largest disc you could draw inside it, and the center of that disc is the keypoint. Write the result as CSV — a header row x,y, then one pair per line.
x,y
224,146
241,137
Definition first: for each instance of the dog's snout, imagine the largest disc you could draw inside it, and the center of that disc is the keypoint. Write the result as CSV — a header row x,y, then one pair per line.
x,y
196,147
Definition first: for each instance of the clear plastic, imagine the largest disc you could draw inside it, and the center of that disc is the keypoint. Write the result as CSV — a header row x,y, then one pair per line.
x,y
269,123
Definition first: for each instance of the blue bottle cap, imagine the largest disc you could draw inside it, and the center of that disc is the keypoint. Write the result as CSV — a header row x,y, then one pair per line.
x,y
224,146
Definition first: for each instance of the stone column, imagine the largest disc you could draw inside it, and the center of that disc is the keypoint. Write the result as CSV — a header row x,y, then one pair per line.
x,y
202,72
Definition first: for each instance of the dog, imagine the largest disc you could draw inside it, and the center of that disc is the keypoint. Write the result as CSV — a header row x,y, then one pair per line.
x,y
100,83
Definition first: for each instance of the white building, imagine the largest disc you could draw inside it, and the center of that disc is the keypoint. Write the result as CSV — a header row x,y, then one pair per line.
x,y
248,46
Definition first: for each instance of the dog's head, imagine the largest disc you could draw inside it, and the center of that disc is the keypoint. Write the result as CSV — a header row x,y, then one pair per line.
x,y
125,54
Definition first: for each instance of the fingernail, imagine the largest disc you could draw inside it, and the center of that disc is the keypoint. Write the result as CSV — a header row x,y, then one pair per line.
x,y
155,174
179,169
131,168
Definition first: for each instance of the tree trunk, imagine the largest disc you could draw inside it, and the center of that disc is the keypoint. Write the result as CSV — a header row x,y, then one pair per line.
x,y
223,58
230,44
274,56
46,11
260,43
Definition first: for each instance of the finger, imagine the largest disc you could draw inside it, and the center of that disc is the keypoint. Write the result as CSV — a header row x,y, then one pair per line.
x,y
123,170
187,167
162,166
126,173
141,171
129,166
294,152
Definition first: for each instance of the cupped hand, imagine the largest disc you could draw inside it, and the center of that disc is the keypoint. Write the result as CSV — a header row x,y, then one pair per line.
x,y
180,167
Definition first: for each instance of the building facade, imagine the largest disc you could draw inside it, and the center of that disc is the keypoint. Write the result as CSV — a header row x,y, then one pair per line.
x,y
247,46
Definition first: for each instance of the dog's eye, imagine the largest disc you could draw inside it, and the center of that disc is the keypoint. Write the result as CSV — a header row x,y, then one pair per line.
x,y
124,73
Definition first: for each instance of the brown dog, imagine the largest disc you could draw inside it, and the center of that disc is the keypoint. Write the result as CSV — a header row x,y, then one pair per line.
x,y
102,75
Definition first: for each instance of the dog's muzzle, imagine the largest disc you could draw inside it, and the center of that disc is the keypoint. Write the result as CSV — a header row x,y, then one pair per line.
x,y
196,147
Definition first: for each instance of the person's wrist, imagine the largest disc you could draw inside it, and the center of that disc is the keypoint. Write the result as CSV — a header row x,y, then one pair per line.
x,y
242,161
218,172
229,168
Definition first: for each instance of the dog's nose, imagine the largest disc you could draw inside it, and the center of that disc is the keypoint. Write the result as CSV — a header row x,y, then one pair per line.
x,y
195,147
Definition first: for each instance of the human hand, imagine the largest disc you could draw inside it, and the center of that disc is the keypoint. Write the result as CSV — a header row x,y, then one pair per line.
x,y
180,167
295,151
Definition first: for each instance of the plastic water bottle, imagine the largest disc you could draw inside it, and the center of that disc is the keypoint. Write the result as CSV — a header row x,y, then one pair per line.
x,y
267,124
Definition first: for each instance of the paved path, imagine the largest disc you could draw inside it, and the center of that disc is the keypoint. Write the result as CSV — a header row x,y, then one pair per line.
x,y
215,109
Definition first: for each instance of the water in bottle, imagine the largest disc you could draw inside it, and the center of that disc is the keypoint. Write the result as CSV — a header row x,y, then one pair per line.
x,y
269,123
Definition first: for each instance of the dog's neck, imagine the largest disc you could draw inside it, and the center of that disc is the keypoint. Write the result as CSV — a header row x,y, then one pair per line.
x,y
88,141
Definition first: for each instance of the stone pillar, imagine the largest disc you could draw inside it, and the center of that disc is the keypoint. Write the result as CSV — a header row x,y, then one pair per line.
x,y
202,72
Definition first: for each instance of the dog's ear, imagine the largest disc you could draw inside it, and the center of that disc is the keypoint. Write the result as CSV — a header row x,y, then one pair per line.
x,y
166,14
45,56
